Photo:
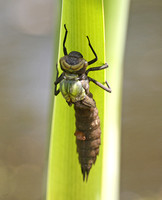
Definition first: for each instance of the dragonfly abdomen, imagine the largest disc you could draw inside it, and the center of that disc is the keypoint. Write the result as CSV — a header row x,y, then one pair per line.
x,y
87,134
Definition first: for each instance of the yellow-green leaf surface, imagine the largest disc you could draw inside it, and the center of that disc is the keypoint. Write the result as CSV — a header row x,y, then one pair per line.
x,y
116,18
65,179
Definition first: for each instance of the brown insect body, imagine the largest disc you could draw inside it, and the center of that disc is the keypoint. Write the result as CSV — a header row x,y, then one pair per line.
x,y
74,86
87,136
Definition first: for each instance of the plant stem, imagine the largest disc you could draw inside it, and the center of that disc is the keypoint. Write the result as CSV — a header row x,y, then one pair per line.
x,y
116,17
82,18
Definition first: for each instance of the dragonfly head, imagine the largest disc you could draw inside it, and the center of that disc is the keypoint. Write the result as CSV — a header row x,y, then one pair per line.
x,y
73,63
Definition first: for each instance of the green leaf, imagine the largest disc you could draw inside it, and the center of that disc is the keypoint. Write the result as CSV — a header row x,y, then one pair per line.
x,y
116,18
65,181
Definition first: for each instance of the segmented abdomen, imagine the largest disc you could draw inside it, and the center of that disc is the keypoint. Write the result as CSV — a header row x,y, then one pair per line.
x,y
87,136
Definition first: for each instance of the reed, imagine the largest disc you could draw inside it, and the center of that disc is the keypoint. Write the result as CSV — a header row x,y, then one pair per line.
x,y
65,181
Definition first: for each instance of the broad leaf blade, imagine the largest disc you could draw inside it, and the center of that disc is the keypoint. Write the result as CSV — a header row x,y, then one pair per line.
x,y
116,17
65,179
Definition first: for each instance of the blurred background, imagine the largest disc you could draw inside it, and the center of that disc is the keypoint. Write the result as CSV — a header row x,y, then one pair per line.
x,y
141,144
27,40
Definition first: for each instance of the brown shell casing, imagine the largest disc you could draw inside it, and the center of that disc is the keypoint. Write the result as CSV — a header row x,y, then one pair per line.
x,y
87,136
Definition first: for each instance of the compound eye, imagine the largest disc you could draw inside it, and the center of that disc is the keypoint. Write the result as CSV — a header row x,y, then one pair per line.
x,y
85,64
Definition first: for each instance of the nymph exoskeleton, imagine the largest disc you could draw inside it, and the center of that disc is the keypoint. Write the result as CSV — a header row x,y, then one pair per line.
x,y
74,86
